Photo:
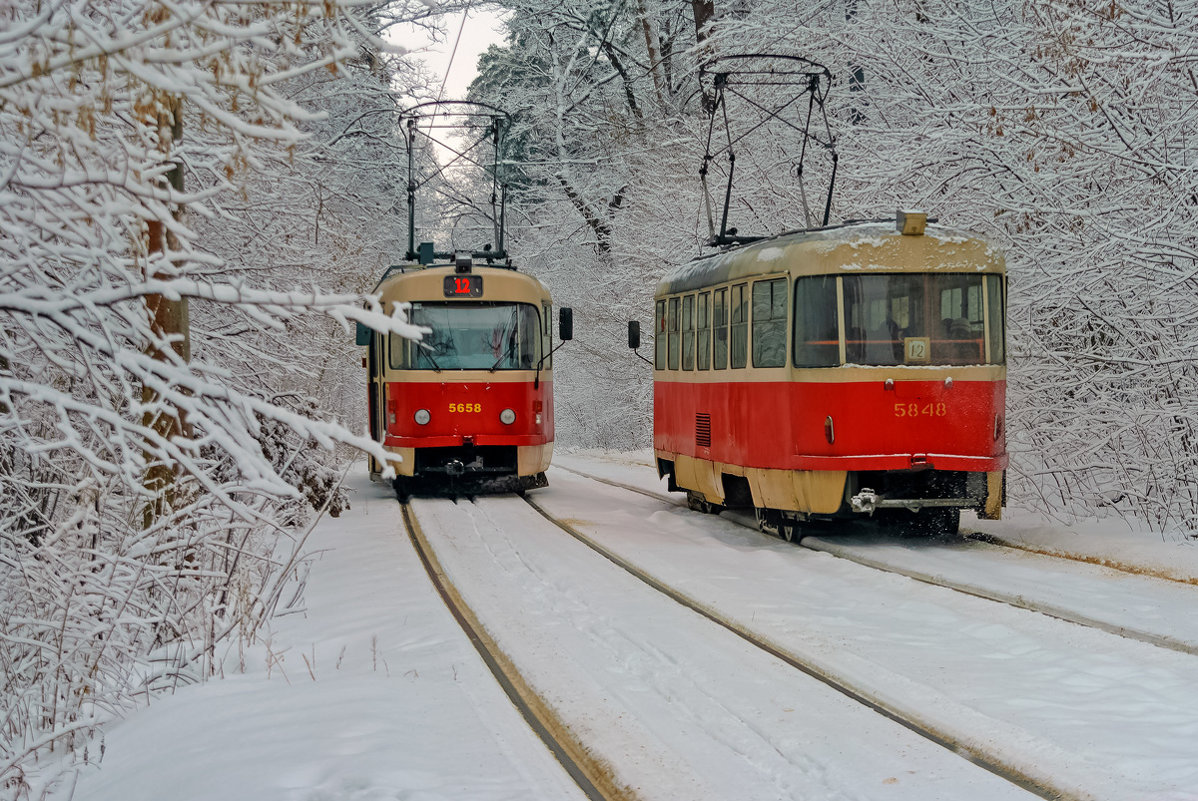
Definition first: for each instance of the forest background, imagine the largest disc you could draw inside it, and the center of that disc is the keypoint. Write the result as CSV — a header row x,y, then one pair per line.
x,y
196,200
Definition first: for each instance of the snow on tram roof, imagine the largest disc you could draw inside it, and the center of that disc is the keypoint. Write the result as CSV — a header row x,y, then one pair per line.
x,y
870,245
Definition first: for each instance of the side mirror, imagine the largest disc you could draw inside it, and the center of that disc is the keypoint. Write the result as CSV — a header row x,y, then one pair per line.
x,y
634,340
565,324
363,335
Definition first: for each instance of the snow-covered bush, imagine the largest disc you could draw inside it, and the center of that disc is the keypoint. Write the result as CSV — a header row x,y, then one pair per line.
x,y
148,473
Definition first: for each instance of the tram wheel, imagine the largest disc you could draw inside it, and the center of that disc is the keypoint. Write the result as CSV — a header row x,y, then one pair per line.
x,y
698,503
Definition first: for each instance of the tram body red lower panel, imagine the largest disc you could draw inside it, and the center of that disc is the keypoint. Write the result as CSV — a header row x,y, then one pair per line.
x,y
785,425
468,410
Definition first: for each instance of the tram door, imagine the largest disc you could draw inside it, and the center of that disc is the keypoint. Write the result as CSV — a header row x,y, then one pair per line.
x,y
374,395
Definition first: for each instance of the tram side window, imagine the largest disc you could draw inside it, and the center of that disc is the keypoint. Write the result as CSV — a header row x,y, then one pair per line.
x,y
397,349
672,335
995,305
659,340
769,323
688,332
740,326
816,337
719,316
703,331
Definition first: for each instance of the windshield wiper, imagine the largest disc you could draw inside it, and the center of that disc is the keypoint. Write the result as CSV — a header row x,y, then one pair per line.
x,y
511,340
511,347
429,351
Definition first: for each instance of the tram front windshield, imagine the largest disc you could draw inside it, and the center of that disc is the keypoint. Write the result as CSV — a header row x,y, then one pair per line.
x,y
470,336
901,318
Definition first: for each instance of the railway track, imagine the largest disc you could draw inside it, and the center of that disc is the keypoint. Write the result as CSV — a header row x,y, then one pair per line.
x,y
902,698
593,774
592,777
1041,786
1130,627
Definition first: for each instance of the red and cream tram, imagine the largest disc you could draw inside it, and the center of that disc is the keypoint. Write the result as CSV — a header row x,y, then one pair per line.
x,y
471,405
845,371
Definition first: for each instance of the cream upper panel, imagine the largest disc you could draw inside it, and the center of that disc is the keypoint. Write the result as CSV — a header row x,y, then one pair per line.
x,y
840,374
428,284
862,247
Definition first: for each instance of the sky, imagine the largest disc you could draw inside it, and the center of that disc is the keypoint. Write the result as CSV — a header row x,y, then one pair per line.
x,y
472,31
367,689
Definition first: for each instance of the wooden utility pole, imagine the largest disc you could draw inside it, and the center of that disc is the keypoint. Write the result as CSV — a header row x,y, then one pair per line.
x,y
168,319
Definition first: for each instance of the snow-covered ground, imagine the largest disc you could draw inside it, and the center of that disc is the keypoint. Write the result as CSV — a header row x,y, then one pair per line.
x,y
372,691
369,693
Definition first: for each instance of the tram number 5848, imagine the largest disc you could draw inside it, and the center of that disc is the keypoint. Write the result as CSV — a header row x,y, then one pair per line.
x,y
920,410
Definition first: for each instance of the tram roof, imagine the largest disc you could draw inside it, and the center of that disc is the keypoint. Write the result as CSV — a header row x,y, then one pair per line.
x,y
875,246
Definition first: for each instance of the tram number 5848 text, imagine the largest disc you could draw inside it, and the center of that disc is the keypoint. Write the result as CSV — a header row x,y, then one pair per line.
x,y
920,410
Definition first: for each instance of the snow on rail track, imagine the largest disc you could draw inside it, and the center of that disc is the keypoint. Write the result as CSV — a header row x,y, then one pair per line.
x,y
1155,610
665,702
586,772
1090,713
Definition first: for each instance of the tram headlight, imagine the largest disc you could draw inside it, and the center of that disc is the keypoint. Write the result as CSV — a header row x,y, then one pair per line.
x,y
422,416
507,417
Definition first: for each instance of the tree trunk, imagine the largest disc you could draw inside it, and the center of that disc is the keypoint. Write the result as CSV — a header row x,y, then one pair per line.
x,y
653,49
703,10
168,319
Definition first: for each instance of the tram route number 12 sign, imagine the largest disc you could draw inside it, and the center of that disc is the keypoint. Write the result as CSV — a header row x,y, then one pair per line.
x,y
463,286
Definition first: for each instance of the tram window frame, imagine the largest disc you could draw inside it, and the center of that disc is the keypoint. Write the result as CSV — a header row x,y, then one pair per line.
x,y
688,332
448,331
738,329
703,331
935,318
815,341
547,334
672,337
396,351
659,339
768,331
996,316
719,328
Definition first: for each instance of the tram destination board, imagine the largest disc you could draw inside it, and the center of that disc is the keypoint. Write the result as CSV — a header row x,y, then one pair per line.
x,y
463,286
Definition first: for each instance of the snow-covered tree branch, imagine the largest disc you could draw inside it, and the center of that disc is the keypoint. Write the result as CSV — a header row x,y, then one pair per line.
x,y
157,415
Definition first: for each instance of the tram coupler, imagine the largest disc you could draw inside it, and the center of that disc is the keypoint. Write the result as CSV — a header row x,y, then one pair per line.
x,y
867,502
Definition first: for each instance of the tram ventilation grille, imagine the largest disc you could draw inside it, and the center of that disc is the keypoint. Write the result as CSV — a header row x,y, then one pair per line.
x,y
703,430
